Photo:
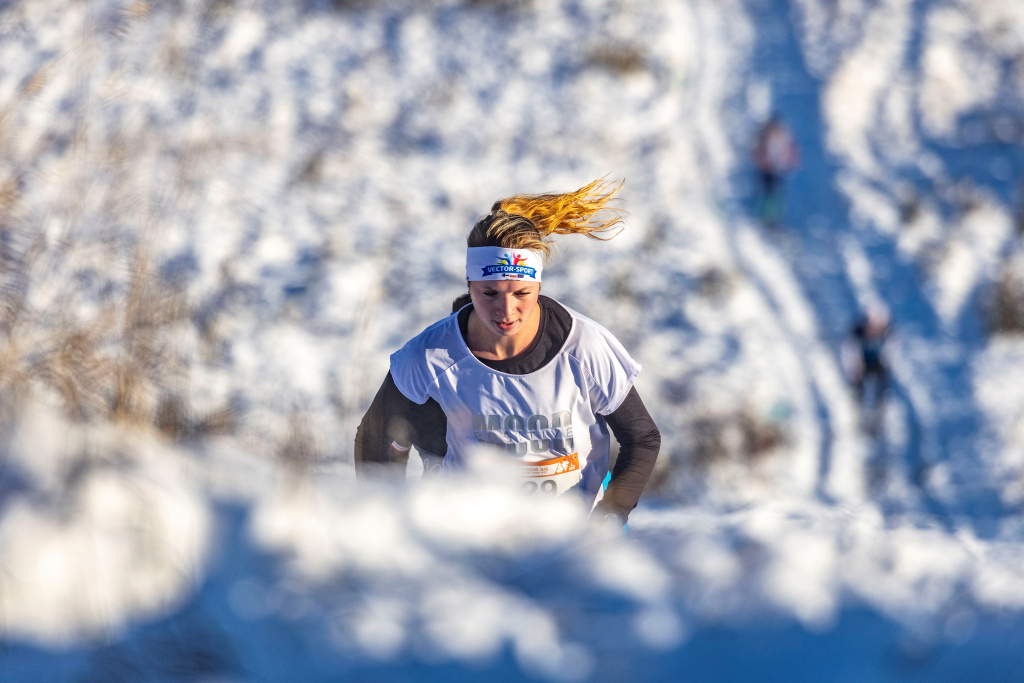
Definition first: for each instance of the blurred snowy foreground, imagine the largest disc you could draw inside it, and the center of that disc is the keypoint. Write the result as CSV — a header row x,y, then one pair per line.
x,y
158,563
218,218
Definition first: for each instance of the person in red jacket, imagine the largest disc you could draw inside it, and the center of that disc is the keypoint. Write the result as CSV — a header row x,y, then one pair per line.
x,y
776,154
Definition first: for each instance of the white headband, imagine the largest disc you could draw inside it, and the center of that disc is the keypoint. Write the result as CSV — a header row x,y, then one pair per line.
x,y
499,263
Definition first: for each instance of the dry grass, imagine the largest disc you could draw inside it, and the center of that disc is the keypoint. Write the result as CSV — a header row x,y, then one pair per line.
x,y
743,435
299,449
108,363
501,5
85,318
1006,308
620,60
118,360
176,418
716,284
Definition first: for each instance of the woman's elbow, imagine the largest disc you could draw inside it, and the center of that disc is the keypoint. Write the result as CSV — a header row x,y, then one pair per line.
x,y
652,439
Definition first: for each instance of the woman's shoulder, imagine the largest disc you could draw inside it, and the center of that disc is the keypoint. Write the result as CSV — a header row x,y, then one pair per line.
x,y
441,338
585,328
426,356
590,342
604,359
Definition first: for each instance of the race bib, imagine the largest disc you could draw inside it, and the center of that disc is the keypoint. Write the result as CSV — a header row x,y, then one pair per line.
x,y
554,476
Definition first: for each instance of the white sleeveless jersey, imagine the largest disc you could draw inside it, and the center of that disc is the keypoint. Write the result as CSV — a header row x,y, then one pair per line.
x,y
550,420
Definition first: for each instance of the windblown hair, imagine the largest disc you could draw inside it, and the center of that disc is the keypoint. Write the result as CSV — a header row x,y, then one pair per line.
x,y
528,221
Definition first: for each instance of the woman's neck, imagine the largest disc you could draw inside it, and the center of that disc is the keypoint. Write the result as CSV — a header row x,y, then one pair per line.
x,y
485,344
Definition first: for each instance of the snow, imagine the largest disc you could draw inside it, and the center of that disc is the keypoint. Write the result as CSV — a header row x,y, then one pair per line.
x,y
291,183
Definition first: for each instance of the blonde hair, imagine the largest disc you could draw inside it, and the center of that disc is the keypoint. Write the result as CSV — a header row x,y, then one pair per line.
x,y
528,221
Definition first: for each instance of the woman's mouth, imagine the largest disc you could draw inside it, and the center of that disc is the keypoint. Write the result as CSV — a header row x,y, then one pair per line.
x,y
505,326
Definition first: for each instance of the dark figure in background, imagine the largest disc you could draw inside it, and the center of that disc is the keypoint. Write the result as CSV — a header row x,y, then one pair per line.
x,y
1020,210
866,364
776,154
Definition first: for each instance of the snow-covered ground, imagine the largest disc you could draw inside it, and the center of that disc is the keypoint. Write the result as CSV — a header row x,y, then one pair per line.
x,y
218,218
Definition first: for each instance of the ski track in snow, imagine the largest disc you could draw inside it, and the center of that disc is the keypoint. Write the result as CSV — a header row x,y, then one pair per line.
x,y
845,266
812,245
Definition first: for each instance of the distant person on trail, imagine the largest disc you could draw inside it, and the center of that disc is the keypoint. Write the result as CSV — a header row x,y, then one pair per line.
x,y
1020,209
518,374
865,360
776,154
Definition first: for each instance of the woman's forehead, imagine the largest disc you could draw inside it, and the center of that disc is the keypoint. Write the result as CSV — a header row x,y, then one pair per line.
x,y
505,285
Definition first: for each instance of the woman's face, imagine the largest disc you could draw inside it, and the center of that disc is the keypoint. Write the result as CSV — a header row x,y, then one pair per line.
x,y
504,306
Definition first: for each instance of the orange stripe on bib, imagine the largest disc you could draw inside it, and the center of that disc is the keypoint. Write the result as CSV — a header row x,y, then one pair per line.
x,y
552,467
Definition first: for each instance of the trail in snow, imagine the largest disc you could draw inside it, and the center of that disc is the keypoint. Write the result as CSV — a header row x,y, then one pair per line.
x,y
841,268
797,266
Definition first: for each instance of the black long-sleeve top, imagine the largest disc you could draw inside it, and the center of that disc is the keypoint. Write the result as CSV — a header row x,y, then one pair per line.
x,y
393,422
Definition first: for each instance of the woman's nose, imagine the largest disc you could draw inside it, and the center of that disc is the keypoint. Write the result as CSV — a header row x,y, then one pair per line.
x,y
510,304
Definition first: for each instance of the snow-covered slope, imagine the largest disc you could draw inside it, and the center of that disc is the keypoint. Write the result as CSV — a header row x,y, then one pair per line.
x,y
219,218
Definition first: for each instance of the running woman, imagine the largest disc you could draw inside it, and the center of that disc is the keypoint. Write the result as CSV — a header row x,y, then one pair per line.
x,y
517,373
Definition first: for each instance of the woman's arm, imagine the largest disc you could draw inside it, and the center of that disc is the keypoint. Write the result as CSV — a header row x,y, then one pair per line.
x,y
393,424
639,443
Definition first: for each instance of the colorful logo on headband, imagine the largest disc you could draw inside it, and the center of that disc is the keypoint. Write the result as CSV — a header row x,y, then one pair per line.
x,y
516,259
511,266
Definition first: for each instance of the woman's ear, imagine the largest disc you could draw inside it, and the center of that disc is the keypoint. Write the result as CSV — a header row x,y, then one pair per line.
x,y
461,300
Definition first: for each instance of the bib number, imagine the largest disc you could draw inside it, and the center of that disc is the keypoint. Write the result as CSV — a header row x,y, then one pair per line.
x,y
552,477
